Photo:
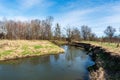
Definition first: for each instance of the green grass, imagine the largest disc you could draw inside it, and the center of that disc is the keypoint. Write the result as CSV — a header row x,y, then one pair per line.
x,y
26,52
7,52
24,47
38,46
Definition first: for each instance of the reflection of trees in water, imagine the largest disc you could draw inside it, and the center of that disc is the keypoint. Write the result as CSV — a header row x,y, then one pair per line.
x,y
72,53
40,60
83,57
68,55
56,57
12,62
32,61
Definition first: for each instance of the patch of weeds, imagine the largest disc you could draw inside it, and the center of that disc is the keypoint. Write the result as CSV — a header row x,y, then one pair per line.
x,y
36,52
25,47
37,47
26,52
7,52
51,46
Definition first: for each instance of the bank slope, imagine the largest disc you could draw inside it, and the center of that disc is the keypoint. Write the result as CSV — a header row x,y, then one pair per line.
x,y
107,61
109,47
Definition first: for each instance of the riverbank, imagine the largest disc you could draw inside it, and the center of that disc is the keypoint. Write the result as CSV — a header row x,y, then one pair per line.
x,y
109,47
107,62
13,49
59,42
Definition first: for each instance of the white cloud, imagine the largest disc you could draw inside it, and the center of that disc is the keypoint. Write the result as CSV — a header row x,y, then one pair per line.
x,y
113,19
18,18
30,3
26,4
98,17
74,17
21,18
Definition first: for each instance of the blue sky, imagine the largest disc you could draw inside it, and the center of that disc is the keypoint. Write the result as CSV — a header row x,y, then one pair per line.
x,y
97,14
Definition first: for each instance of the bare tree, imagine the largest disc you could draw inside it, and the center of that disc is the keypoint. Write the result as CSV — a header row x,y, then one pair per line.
x,y
92,37
3,30
57,31
109,31
48,25
35,24
85,31
68,33
76,34
118,44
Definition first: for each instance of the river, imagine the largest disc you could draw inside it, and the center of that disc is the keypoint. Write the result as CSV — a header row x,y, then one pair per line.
x,y
70,65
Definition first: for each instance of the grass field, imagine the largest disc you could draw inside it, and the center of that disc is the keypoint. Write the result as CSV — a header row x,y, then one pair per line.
x,y
111,47
12,49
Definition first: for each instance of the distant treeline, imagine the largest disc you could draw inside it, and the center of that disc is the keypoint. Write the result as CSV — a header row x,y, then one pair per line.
x,y
34,29
43,30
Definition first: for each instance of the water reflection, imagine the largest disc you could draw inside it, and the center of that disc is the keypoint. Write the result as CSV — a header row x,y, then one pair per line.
x,y
72,65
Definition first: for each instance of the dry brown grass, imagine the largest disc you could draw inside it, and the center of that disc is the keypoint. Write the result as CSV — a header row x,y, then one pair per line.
x,y
11,49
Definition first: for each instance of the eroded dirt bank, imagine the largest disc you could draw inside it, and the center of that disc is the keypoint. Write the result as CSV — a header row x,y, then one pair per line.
x,y
107,66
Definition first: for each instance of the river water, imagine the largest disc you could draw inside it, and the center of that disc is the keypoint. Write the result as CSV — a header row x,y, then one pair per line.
x,y
71,65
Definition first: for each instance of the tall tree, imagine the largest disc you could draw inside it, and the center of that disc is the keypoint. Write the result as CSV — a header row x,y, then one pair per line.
x,y
85,31
109,31
3,30
57,31
118,44
92,37
48,25
68,33
76,34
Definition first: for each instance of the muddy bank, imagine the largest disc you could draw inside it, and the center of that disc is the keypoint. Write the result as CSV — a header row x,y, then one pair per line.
x,y
107,66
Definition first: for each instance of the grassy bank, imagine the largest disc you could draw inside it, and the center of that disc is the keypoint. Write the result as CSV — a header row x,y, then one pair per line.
x,y
110,47
12,49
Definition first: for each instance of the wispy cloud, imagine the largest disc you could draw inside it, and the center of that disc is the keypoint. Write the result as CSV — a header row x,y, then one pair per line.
x,y
109,13
74,17
30,3
97,14
24,9
26,4
97,17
